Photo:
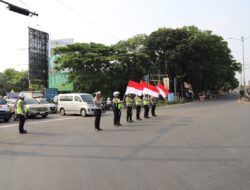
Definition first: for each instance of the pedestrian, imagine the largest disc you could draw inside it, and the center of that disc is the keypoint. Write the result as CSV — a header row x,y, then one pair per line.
x,y
146,102
138,103
153,105
117,105
21,111
129,104
98,110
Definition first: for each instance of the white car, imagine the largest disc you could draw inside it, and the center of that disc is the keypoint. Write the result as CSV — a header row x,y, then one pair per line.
x,y
11,103
52,107
76,103
35,108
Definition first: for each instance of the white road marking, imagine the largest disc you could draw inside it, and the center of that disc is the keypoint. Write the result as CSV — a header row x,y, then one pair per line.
x,y
37,122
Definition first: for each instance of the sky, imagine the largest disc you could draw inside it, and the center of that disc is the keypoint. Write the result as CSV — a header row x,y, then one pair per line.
x,y
108,21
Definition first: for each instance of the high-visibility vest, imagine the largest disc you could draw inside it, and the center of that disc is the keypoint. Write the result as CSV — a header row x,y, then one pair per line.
x,y
138,101
117,103
25,108
19,108
146,101
129,101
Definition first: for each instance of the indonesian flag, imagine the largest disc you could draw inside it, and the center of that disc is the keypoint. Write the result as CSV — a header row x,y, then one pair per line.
x,y
134,88
162,90
149,89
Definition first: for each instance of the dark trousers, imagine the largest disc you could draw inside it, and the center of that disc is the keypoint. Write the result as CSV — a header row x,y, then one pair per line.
x,y
117,116
21,122
98,113
129,113
146,110
153,109
138,111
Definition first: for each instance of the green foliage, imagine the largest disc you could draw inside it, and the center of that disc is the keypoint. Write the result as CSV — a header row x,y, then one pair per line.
x,y
11,79
198,57
107,68
188,54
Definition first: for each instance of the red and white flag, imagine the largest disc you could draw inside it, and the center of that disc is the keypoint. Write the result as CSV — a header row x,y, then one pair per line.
x,y
149,89
162,90
134,88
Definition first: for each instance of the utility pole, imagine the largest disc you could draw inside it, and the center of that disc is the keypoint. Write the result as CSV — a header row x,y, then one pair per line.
x,y
243,62
243,76
19,10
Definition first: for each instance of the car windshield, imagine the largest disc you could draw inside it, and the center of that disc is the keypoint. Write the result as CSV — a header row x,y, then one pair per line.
x,y
31,101
43,101
2,101
87,98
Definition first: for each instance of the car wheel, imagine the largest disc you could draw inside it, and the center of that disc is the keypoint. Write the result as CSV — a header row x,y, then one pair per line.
x,y
83,113
45,115
62,111
6,119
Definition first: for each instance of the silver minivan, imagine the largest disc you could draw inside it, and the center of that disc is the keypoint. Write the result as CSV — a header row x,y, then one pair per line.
x,y
75,103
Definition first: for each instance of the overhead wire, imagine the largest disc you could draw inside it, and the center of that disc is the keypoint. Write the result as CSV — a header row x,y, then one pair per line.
x,y
25,4
87,20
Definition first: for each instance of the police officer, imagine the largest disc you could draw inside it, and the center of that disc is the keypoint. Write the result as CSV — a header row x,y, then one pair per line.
x,y
146,102
129,104
98,110
117,105
138,103
153,105
21,111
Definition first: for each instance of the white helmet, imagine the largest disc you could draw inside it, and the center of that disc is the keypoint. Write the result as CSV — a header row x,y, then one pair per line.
x,y
21,95
116,93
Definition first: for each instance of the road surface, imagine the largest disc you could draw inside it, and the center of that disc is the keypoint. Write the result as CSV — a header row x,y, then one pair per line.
x,y
195,146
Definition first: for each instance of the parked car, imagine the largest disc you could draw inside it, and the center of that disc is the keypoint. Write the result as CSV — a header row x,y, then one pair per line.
x,y
75,103
35,108
5,112
11,103
52,107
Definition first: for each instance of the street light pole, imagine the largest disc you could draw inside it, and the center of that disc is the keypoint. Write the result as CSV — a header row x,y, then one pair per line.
x,y
243,76
243,62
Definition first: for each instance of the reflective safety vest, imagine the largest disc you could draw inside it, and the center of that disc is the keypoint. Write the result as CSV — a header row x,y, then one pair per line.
x,y
146,101
25,108
129,101
117,103
21,108
138,101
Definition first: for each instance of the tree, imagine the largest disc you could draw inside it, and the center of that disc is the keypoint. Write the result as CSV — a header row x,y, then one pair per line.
x,y
133,62
91,66
108,68
187,54
198,57
11,79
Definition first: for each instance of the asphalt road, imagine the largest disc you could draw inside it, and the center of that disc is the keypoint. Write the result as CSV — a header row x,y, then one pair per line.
x,y
195,146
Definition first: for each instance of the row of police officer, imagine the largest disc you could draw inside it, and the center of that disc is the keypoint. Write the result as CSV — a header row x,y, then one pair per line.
x,y
117,106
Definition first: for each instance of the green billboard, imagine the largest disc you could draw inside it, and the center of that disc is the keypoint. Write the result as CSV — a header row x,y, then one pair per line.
x,y
57,78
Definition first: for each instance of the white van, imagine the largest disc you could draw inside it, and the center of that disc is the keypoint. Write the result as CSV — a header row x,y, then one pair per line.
x,y
75,103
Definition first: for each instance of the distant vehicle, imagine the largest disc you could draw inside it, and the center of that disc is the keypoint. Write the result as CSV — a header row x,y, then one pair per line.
x,y
51,106
75,103
5,112
32,94
35,108
11,103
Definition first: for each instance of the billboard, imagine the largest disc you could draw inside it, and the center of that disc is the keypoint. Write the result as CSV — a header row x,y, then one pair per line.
x,y
38,56
59,78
